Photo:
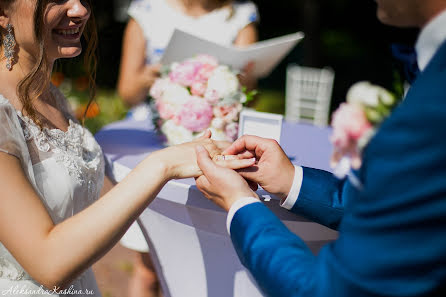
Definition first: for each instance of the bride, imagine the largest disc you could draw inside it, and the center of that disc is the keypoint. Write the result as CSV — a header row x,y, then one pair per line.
x,y
52,228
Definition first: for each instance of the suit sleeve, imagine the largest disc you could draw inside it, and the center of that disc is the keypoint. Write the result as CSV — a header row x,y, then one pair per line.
x,y
391,239
321,197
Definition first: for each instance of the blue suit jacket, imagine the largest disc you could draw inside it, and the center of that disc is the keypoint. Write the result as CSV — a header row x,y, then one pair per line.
x,y
392,239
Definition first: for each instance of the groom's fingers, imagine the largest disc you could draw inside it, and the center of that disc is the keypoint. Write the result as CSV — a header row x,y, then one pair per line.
x,y
241,145
250,173
203,184
247,143
246,155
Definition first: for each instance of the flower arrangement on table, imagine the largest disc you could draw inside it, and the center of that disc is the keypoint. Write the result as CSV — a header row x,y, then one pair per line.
x,y
195,95
355,122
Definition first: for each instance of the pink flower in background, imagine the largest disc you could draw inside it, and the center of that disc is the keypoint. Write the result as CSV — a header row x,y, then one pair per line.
x,y
185,73
208,65
195,70
205,72
212,96
350,124
165,110
228,113
207,60
198,88
195,115
355,122
231,131
195,95
157,89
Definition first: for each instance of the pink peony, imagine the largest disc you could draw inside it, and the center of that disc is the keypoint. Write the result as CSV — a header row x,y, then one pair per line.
x,y
185,73
228,113
208,65
195,115
205,72
196,70
165,110
207,60
198,88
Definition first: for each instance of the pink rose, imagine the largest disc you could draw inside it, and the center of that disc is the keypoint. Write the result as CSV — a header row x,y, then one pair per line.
x,y
195,115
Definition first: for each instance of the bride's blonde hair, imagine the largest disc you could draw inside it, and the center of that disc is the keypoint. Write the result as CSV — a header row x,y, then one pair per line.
x,y
38,79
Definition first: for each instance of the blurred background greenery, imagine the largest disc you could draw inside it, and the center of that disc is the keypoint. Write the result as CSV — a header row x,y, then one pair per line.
x,y
342,34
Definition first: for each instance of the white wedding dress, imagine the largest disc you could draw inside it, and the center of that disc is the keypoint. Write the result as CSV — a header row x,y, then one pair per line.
x,y
66,170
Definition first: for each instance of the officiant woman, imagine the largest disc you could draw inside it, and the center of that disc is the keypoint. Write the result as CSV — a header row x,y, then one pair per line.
x,y
147,34
52,227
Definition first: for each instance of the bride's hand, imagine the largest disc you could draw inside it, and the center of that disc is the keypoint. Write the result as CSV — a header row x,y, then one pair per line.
x,y
181,160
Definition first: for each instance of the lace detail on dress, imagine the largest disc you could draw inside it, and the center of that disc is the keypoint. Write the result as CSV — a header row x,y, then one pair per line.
x,y
74,148
12,272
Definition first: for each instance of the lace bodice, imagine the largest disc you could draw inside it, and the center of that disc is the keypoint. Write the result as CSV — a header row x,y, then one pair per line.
x,y
65,168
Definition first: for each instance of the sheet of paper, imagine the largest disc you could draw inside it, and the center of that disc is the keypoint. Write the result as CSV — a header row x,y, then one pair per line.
x,y
265,54
263,124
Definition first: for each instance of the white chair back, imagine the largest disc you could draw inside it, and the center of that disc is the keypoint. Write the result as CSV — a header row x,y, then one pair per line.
x,y
308,94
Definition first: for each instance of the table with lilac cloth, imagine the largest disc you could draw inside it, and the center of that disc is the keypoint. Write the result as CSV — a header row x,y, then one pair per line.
x,y
186,233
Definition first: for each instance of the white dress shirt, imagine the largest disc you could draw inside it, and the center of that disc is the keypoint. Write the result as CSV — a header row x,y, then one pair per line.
x,y
430,39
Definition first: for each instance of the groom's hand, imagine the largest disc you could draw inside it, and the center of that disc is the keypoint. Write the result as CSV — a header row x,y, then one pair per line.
x,y
273,170
222,185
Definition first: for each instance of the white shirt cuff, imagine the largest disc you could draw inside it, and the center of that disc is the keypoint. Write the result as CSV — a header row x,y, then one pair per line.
x,y
235,207
291,199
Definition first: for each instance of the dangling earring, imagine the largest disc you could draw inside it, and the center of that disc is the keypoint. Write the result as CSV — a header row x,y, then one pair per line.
x,y
8,47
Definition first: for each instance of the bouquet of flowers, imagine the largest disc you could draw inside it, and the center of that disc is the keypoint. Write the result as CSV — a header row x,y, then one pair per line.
x,y
355,122
195,95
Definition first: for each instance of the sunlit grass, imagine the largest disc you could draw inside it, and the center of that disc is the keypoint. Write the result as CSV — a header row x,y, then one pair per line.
x,y
270,101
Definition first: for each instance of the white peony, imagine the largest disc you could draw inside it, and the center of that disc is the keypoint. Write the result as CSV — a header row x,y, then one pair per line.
x,y
175,94
365,93
218,123
218,134
223,82
176,134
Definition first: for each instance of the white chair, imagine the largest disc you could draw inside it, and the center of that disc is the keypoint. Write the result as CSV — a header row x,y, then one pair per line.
x,y
308,94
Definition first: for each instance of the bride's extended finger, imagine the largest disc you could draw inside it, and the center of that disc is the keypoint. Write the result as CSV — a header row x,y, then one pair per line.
x,y
225,158
245,155
206,134
236,163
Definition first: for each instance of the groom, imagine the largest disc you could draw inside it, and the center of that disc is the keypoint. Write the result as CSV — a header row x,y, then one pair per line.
x,y
392,231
